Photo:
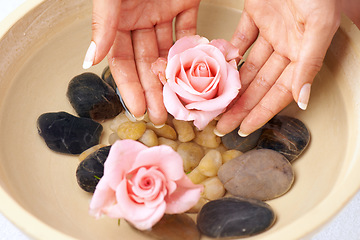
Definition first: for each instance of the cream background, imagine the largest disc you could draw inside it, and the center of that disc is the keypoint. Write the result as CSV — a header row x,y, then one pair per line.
x,y
346,225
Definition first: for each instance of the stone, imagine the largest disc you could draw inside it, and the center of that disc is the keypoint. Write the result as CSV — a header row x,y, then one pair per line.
x,y
165,131
66,133
191,154
184,130
261,174
207,137
131,130
232,140
196,176
93,98
213,188
209,165
174,227
149,138
286,135
230,154
234,217
171,143
88,151
91,169
108,78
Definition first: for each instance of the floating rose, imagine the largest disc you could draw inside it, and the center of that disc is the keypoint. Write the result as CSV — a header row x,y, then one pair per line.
x,y
200,78
141,184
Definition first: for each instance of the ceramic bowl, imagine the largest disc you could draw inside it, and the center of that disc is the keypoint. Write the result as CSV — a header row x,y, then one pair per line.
x,y
42,46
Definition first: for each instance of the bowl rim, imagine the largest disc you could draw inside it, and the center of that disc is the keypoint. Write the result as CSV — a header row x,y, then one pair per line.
x,y
319,214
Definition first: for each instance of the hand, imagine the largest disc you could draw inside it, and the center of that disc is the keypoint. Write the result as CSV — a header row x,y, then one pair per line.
x,y
134,33
292,38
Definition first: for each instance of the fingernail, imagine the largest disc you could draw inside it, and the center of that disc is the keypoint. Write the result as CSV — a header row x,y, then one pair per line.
x,y
159,126
217,133
241,134
90,56
304,96
140,118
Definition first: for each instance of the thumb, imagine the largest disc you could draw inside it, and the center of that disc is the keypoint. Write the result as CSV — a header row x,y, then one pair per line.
x,y
105,19
316,40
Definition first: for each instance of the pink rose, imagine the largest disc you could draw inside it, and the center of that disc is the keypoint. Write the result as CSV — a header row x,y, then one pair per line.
x,y
140,184
200,78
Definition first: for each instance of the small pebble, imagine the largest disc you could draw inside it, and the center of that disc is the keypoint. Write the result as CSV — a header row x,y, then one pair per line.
x,y
119,119
259,174
286,135
213,188
164,141
191,154
184,130
209,165
230,154
149,138
234,217
166,131
207,138
113,137
66,133
131,130
196,176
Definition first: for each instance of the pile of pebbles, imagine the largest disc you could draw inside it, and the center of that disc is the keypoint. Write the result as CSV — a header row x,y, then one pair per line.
x,y
238,174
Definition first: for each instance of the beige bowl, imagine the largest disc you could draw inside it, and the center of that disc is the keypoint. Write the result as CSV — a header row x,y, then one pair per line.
x,y
42,47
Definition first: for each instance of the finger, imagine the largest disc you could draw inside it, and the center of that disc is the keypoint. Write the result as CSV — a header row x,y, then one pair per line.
x,y
123,68
316,41
258,88
164,38
146,52
259,54
185,23
105,18
278,97
245,33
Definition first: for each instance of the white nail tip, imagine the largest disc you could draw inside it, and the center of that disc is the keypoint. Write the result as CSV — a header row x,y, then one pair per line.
x,y
90,56
217,133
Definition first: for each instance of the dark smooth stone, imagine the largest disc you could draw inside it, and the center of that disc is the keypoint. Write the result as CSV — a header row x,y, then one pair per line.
x,y
92,97
174,227
66,133
91,169
286,135
232,140
234,217
108,78
261,174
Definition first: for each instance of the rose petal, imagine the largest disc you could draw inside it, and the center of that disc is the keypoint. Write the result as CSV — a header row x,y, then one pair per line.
x,y
230,51
120,160
185,43
185,197
103,197
202,118
227,93
137,214
164,158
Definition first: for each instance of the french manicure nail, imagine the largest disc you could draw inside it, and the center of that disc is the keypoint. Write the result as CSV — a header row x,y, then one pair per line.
x,y
241,134
159,126
217,133
304,96
90,56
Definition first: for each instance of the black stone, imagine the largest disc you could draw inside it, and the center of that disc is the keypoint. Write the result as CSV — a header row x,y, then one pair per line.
x,y
286,135
91,169
108,78
92,97
232,140
234,217
66,133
